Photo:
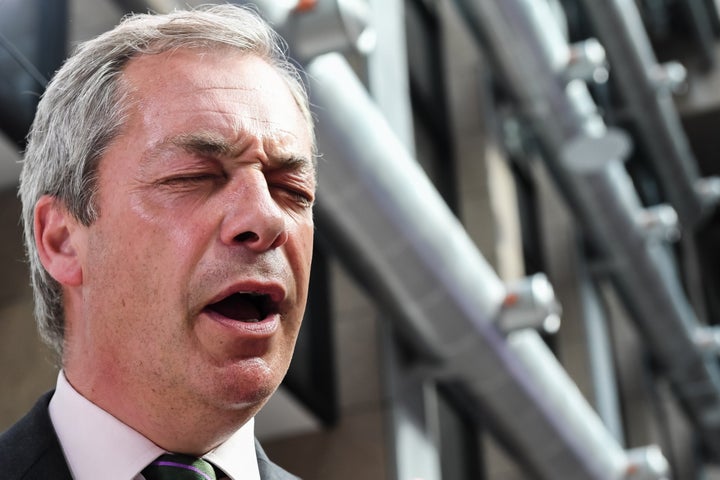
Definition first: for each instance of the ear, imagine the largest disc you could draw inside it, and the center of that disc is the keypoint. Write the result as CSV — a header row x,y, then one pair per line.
x,y
56,235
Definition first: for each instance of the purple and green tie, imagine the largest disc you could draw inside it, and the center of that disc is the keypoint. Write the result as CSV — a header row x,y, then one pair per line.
x,y
179,467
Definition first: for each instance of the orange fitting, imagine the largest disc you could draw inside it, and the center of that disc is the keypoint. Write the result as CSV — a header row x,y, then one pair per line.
x,y
510,300
305,5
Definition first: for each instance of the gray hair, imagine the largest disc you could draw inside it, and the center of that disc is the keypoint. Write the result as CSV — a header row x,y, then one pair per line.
x,y
85,106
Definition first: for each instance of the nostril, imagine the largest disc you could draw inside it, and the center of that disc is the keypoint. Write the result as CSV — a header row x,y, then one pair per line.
x,y
246,237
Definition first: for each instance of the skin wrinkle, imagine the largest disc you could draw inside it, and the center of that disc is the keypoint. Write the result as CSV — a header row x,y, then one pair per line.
x,y
217,148
211,153
248,116
216,145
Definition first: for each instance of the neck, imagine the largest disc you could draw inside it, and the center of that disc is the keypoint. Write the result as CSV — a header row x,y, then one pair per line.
x,y
168,421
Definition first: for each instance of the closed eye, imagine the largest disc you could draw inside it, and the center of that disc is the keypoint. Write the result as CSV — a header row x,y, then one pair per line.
x,y
199,178
298,196
192,179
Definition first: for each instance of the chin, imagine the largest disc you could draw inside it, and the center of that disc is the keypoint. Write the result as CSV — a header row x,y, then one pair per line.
x,y
247,385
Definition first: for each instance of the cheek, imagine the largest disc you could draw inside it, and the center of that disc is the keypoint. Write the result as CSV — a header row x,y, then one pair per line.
x,y
305,238
136,291
165,232
133,265
181,229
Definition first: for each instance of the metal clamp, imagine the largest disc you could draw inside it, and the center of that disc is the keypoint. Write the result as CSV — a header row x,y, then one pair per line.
x,y
659,222
587,61
530,303
670,77
647,463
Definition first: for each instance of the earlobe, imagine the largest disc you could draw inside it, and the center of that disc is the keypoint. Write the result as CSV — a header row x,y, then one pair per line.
x,y
56,232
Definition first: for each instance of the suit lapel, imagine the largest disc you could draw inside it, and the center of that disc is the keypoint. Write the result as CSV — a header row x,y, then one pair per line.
x,y
268,470
30,450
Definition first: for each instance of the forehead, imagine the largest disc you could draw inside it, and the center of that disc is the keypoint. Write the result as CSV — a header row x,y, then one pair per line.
x,y
230,93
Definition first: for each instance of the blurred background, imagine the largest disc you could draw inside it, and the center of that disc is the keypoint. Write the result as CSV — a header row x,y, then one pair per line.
x,y
516,274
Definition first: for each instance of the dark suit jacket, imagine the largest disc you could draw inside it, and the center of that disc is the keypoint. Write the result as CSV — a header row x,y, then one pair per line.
x,y
30,450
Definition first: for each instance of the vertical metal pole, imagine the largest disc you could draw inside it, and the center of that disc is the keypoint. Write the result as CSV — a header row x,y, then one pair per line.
x,y
702,28
388,70
412,410
601,358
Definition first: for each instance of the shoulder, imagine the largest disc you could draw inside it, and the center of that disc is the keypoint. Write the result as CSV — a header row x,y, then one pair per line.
x,y
30,448
268,470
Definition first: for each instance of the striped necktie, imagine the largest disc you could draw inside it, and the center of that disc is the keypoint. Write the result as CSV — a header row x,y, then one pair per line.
x,y
179,467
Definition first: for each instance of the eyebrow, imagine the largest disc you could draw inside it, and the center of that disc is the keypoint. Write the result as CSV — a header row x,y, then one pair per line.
x,y
205,143
213,144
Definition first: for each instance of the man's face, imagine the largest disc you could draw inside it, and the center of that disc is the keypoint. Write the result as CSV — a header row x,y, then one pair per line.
x,y
195,274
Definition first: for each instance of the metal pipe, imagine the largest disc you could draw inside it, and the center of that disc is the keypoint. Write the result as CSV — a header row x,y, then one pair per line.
x,y
585,160
411,252
601,358
651,107
560,391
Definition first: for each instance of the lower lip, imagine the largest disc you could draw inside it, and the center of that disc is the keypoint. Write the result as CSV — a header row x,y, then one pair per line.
x,y
262,329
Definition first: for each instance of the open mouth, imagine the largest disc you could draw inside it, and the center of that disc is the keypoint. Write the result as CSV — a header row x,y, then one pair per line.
x,y
245,307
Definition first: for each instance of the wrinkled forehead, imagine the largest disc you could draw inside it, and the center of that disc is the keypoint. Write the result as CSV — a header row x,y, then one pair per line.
x,y
229,93
203,71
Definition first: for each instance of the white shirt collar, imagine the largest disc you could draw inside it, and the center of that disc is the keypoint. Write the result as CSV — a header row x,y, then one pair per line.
x,y
98,445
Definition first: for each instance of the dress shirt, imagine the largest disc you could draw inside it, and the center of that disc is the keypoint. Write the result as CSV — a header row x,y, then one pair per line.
x,y
98,445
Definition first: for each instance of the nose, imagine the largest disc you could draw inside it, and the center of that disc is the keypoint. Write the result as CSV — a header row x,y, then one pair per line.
x,y
252,217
